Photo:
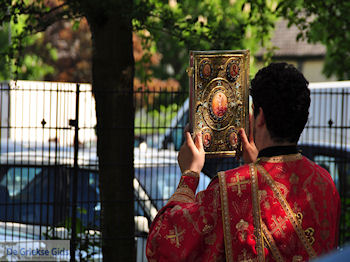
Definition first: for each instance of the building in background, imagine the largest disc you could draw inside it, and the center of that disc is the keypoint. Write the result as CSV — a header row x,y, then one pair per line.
x,y
308,58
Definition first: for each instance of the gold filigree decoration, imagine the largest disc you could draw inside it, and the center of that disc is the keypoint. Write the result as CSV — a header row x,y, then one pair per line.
x,y
263,199
269,240
278,225
299,217
180,198
190,173
284,190
309,232
321,184
294,179
176,236
241,227
281,158
238,185
189,218
245,257
183,194
210,240
297,259
225,217
289,212
207,228
310,199
257,214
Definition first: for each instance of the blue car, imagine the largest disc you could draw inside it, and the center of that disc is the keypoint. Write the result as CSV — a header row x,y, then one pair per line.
x,y
36,191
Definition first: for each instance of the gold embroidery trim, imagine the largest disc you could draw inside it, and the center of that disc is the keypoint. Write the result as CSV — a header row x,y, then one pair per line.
x,y
183,194
289,212
176,236
257,214
271,243
309,232
180,198
190,173
225,217
238,185
281,158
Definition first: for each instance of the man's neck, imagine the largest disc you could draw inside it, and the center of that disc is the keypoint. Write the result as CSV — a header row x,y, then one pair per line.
x,y
263,140
278,150
270,143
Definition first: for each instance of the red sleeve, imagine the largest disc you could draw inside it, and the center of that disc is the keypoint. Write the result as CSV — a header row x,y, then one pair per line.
x,y
188,227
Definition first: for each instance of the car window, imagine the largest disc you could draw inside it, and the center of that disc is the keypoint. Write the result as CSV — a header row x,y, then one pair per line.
x,y
177,134
331,165
93,181
344,175
17,178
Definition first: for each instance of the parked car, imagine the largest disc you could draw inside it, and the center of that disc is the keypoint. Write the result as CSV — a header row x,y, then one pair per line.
x,y
334,158
36,190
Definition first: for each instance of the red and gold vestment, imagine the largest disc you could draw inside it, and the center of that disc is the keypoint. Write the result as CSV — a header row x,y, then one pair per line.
x,y
281,208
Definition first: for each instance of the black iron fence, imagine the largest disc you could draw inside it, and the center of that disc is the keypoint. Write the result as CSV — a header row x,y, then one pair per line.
x,y
326,140
49,186
48,191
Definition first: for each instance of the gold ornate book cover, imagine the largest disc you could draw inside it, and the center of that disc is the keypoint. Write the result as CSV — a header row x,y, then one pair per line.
x,y
219,102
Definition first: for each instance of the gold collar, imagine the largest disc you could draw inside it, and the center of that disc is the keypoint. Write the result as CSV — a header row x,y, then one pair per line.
x,y
280,158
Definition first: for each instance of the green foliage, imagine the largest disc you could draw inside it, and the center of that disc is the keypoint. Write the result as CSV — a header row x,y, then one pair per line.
x,y
89,241
345,221
174,28
183,25
157,119
27,19
326,22
179,26
21,61
4,45
142,66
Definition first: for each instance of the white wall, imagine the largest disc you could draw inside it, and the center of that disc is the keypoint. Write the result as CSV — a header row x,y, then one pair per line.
x,y
312,69
32,102
4,109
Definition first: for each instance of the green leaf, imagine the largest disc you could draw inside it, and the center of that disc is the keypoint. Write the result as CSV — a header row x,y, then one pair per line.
x,y
76,25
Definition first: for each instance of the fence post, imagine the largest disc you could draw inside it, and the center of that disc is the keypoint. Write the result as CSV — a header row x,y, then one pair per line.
x,y
75,123
342,171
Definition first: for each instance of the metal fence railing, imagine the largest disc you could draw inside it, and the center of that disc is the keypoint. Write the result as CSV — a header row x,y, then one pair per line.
x,y
326,140
37,164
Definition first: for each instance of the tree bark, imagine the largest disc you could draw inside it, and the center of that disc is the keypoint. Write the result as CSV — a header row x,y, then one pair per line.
x,y
113,72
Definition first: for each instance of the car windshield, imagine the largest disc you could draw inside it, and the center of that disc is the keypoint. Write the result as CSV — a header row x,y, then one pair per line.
x,y
17,178
160,182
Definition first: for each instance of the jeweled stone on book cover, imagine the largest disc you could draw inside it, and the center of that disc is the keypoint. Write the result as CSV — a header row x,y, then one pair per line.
x,y
219,104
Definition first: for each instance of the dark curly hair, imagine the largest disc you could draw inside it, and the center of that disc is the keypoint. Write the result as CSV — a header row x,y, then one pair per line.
x,y
282,92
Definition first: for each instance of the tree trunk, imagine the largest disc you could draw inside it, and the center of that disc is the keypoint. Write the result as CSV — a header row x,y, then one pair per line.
x,y
113,72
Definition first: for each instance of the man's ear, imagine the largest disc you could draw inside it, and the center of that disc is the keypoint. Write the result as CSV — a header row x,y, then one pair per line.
x,y
260,119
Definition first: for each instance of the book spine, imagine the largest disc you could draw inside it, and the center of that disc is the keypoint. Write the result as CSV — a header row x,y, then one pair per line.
x,y
191,92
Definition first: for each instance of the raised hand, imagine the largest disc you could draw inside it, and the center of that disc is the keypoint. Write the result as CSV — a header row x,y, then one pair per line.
x,y
250,152
192,155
